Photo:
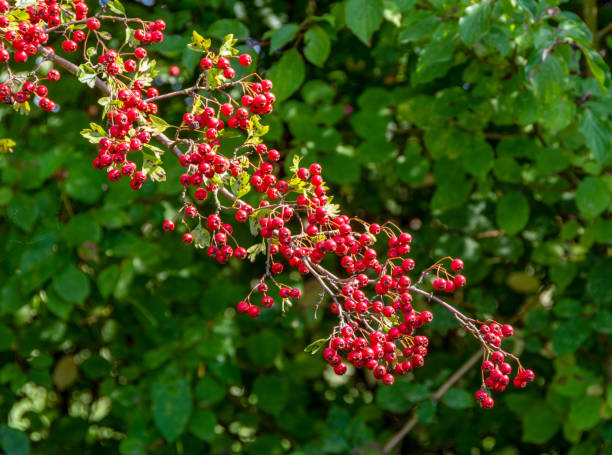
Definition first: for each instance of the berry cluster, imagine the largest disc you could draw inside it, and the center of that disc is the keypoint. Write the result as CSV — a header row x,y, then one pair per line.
x,y
292,217
498,370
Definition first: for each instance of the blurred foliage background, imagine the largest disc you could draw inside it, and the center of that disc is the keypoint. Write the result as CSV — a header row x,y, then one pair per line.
x,y
482,127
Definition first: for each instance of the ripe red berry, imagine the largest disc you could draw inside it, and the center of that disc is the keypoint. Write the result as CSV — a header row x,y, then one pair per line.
x,y
69,46
245,60
93,23
459,281
53,75
507,330
187,238
168,225
456,265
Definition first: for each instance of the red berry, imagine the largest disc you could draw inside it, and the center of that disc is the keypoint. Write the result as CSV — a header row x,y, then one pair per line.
x,y
456,265
245,60
168,225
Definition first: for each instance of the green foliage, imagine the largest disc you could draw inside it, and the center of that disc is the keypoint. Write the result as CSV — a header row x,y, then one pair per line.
x,y
483,126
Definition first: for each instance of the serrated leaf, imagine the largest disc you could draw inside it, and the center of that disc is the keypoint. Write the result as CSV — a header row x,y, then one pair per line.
x,y
199,43
474,24
151,166
227,46
240,185
159,124
94,133
86,75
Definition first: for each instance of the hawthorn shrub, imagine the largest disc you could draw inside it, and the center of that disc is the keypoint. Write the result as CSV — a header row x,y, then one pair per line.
x,y
490,110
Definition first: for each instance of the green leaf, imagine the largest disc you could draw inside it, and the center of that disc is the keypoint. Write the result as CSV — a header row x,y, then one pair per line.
x,y
264,347
317,46
592,197
474,24
151,165
597,135
548,79
171,408
81,228
478,158
283,35
209,391
71,285
7,338
223,27
584,413
598,282
86,75
287,74
512,212
116,7
159,124
597,65
272,393
570,335
94,133
199,43
363,17
315,346
427,411
23,211
202,424
201,237
540,424
458,399
14,442
107,280
392,12
96,367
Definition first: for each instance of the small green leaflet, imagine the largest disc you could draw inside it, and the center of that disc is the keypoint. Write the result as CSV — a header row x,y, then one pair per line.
x,y
107,103
295,164
240,185
201,237
6,145
315,346
227,46
152,167
254,250
256,130
94,133
159,124
333,210
213,77
199,43
86,75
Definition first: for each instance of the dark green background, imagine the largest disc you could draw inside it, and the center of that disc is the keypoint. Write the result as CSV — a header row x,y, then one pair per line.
x,y
115,338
